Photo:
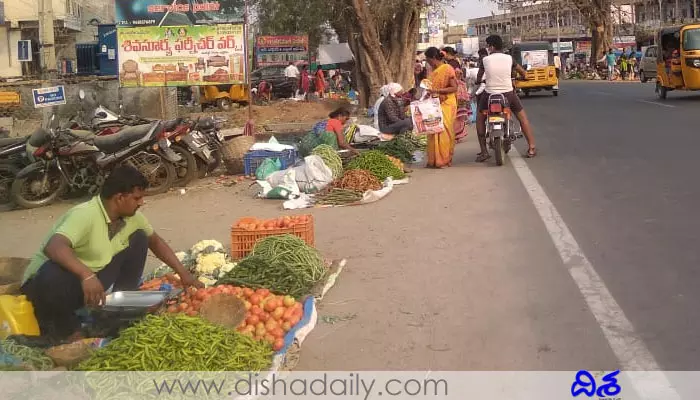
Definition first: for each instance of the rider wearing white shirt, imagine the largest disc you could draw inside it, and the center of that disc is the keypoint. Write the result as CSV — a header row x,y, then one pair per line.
x,y
497,71
292,74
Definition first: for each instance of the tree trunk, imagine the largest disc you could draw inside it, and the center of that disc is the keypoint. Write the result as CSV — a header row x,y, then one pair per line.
x,y
383,45
602,33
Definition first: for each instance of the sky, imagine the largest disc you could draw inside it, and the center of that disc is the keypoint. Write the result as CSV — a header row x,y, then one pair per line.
x,y
465,9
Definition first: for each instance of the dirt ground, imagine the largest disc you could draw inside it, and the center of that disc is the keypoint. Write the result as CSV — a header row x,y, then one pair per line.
x,y
279,112
452,271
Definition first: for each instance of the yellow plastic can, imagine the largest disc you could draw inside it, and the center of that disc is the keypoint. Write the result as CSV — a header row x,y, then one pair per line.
x,y
17,317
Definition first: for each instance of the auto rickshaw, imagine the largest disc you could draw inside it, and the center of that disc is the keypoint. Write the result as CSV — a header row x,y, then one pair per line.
x,y
678,61
224,95
537,58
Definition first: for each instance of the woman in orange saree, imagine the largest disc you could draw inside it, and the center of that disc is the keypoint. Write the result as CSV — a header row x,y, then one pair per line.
x,y
443,81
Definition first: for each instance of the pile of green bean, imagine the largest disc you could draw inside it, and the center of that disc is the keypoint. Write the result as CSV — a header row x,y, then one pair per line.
x,y
180,343
31,357
285,264
377,164
338,197
331,158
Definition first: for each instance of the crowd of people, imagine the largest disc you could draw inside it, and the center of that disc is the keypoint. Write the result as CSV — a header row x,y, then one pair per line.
x,y
321,82
462,87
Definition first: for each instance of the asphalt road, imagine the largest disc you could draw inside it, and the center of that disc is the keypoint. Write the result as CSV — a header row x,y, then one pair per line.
x,y
621,168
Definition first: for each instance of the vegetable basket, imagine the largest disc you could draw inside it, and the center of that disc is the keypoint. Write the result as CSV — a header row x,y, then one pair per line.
x,y
243,240
233,152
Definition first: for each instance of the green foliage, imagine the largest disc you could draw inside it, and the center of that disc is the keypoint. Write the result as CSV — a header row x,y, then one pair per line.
x,y
291,17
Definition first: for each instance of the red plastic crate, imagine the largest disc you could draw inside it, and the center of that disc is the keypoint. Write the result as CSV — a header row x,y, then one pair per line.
x,y
243,240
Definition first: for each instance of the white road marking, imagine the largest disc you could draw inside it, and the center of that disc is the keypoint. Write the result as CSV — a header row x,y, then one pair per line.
x,y
656,103
628,347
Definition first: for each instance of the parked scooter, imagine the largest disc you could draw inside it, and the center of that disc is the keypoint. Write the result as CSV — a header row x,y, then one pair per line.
x,y
72,160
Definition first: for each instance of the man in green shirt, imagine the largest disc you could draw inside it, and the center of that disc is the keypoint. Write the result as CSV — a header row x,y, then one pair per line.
x,y
95,245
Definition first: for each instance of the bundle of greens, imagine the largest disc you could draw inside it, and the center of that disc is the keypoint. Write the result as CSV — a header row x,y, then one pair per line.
x,y
401,147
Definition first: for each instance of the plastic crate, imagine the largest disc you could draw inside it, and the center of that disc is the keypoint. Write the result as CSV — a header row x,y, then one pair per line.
x,y
243,241
254,158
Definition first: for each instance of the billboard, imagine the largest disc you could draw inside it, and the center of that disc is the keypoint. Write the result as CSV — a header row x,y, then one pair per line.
x,y
181,55
280,50
131,13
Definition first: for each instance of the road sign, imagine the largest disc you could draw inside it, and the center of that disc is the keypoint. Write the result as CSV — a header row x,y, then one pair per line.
x,y
24,50
49,96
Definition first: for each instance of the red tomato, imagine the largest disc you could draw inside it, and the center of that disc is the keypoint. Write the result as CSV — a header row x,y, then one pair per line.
x,y
263,292
247,292
286,326
264,317
192,313
271,324
252,319
256,310
255,299
277,332
271,305
271,339
278,345
288,313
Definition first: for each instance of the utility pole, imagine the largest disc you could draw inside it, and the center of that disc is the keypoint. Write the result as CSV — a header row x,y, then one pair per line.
x,y
47,50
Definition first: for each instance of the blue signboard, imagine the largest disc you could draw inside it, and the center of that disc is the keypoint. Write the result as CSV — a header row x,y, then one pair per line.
x,y
49,96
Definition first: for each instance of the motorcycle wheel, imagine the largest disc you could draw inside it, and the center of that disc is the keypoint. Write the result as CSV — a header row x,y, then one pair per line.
x,y
27,192
498,148
161,174
8,172
186,168
204,169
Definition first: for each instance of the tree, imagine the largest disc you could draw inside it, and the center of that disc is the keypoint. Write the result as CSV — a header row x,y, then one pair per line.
x,y
382,35
290,17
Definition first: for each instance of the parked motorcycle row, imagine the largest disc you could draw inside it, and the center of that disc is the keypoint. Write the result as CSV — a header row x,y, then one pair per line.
x,y
76,158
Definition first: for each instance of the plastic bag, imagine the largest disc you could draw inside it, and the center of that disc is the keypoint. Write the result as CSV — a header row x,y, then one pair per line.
x,y
314,175
268,167
472,115
280,185
427,116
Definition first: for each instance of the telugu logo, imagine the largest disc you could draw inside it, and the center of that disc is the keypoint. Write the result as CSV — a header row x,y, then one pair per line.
x,y
585,383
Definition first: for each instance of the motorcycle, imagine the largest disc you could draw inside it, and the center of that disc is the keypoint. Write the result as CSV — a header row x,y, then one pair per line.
x,y
206,142
501,129
79,161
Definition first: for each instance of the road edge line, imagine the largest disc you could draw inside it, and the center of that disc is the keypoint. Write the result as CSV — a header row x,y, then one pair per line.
x,y
628,346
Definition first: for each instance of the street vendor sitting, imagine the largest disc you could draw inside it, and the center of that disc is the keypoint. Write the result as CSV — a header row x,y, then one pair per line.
x,y
95,245
391,115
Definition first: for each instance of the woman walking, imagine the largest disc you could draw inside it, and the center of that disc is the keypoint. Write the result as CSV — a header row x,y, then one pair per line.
x,y
320,82
443,85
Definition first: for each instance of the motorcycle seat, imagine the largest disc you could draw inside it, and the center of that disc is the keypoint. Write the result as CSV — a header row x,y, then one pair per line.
x,y
14,140
117,141
169,126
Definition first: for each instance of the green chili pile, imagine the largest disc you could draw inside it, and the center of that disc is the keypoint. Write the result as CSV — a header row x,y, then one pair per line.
x,y
377,164
180,343
31,357
331,158
285,264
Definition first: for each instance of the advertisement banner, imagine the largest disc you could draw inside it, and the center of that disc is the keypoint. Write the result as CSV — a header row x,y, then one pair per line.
x,y
131,13
281,50
535,58
181,56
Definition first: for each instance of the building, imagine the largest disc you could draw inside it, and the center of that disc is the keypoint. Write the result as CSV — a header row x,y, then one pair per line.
x,y
433,23
534,21
75,21
454,33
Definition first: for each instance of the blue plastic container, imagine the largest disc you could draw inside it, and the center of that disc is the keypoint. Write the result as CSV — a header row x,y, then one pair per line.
x,y
254,158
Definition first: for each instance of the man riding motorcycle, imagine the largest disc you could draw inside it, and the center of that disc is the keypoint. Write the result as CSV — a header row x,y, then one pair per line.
x,y
496,69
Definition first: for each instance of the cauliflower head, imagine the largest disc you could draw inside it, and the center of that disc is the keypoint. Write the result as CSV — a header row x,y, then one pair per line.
x,y
210,263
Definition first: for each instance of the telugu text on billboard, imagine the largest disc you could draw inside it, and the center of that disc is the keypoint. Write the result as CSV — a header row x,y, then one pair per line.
x,y
281,50
181,56
131,13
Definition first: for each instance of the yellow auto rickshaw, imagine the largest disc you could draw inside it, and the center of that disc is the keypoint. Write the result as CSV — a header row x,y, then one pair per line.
x,y
678,61
537,58
224,95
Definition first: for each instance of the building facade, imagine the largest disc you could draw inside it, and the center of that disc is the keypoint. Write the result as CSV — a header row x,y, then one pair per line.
x,y
75,21
433,23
